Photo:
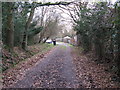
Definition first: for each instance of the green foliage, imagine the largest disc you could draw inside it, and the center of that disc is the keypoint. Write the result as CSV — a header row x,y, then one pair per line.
x,y
83,27
34,31
99,29
4,20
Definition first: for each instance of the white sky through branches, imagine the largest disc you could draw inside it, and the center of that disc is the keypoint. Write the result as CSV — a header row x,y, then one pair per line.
x,y
66,20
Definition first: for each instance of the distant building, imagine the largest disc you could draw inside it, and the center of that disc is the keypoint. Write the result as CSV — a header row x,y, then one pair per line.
x,y
67,39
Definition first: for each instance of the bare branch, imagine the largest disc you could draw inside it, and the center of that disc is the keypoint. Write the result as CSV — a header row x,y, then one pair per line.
x,y
49,3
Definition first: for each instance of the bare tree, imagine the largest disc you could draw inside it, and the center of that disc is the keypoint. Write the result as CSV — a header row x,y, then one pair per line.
x,y
25,36
42,22
51,28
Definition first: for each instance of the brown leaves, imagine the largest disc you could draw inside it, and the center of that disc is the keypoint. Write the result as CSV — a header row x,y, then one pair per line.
x,y
92,74
12,75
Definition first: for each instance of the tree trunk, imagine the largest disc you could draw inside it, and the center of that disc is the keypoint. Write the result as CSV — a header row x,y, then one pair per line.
x,y
99,49
25,36
41,35
78,39
40,39
10,26
45,39
117,25
117,54
118,59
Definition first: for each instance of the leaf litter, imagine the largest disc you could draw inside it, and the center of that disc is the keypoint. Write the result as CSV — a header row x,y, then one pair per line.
x,y
91,74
